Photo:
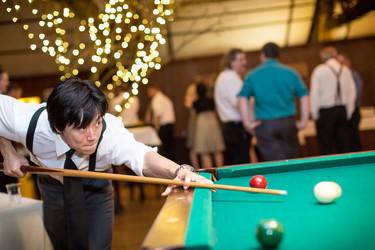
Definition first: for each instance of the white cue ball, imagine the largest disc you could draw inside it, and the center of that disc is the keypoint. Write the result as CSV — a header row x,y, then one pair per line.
x,y
327,191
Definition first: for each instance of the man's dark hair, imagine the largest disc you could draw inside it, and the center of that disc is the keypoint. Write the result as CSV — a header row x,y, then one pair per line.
x,y
230,57
75,102
271,50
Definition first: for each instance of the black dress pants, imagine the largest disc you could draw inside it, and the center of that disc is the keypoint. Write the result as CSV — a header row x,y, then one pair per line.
x,y
333,131
99,206
4,179
354,121
237,143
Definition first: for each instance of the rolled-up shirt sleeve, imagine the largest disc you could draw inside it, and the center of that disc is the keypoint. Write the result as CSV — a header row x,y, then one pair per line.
x,y
121,146
247,88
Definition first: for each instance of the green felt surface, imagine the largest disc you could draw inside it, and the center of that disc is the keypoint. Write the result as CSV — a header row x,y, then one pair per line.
x,y
349,223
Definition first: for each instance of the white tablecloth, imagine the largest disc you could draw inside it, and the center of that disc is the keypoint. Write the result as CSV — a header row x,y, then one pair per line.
x,y
21,225
367,123
146,135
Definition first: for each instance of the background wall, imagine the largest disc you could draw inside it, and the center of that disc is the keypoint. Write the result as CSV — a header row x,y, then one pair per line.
x,y
175,76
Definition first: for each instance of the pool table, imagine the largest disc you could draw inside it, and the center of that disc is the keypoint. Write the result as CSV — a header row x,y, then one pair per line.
x,y
202,219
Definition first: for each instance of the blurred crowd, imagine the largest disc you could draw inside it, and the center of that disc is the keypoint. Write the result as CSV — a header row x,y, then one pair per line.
x,y
246,116
260,106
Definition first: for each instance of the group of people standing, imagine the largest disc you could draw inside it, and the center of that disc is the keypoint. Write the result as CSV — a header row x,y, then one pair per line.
x,y
263,104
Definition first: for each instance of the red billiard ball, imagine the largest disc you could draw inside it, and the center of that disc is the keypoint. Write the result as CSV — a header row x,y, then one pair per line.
x,y
258,181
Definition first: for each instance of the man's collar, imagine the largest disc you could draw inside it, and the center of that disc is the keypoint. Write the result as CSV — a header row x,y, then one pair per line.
x,y
271,60
61,146
233,72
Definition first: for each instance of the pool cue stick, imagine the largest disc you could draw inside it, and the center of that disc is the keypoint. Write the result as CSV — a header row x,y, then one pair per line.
x,y
142,179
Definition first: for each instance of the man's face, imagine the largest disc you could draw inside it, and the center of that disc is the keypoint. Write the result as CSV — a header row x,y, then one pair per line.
x,y
4,82
239,64
84,140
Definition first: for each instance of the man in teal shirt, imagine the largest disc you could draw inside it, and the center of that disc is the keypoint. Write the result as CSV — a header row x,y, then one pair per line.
x,y
274,88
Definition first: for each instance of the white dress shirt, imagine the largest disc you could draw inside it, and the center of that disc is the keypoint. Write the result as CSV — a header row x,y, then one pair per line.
x,y
162,107
228,84
117,147
324,88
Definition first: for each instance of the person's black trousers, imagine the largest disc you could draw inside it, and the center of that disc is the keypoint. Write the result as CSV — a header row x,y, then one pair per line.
x,y
333,131
99,206
354,121
167,140
237,143
277,139
4,179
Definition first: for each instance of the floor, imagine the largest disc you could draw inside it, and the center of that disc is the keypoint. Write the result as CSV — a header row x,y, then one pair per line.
x,y
135,219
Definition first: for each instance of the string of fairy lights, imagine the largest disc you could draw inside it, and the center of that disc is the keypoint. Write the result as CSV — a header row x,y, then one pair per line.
x,y
119,43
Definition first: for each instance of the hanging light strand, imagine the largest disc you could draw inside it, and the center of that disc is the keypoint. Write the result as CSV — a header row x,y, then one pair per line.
x,y
123,39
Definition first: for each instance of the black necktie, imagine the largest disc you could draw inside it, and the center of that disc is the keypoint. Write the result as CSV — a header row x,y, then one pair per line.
x,y
74,208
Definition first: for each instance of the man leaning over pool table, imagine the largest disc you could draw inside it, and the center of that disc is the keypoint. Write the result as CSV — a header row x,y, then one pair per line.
x,y
73,131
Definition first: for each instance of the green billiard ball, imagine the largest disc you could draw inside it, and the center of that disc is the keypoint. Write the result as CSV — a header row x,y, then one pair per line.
x,y
269,233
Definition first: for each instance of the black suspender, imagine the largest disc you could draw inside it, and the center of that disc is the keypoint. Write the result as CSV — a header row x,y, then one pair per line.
x,y
31,132
31,129
338,85
92,161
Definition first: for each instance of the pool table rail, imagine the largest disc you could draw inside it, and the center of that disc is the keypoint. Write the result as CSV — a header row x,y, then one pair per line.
x,y
327,161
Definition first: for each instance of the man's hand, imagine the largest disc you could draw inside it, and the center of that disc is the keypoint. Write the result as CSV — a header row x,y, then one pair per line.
x,y
12,160
13,163
156,165
250,126
187,177
301,124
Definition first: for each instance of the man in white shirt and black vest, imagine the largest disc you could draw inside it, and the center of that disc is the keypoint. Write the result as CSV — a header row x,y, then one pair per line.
x,y
73,131
333,96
